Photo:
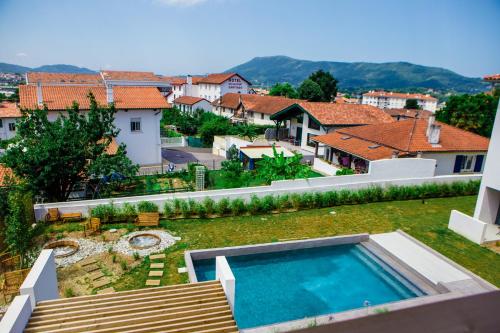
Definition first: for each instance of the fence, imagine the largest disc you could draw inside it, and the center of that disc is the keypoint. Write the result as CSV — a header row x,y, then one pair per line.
x,y
167,142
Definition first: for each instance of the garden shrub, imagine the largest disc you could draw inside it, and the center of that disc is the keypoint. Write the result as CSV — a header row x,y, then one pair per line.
x,y
147,207
344,171
209,205
105,212
200,210
307,200
268,204
222,207
177,206
283,202
237,207
168,209
255,205
185,209
128,211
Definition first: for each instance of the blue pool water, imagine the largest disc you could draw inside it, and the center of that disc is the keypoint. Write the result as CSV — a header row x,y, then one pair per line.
x,y
282,286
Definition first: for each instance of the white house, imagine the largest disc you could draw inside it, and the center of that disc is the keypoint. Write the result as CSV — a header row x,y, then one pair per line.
x,y
395,100
210,87
250,108
305,120
139,111
9,113
484,226
189,104
455,151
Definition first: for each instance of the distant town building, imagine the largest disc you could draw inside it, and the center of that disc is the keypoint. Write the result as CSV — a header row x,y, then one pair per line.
x,y
189,104
9,113
395,100
403,114
494,80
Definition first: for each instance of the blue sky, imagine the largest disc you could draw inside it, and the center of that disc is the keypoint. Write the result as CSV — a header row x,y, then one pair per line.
x,y
201,36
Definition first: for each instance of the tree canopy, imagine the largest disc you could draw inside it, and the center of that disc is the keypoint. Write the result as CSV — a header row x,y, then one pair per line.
x,y
52,156
283,89
310,91
280,167
412,104
327,83
475,113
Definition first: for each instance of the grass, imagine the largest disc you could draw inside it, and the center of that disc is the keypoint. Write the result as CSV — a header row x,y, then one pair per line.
x,y
427,222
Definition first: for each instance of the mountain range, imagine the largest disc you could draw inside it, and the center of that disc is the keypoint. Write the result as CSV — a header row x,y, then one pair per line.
x,y
357,76
59,68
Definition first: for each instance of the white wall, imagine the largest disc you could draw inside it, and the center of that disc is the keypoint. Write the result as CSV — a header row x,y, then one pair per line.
x,y
224,274
305,131
467,226
5,133
17,316
446,161
41,282
237,85
324,167
143,147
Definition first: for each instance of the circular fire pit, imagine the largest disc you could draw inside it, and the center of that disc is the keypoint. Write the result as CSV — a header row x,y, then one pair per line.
x,y
63,248
144,241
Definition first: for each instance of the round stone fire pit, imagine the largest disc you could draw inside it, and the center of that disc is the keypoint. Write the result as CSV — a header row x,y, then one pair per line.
x,y
63,248
144,241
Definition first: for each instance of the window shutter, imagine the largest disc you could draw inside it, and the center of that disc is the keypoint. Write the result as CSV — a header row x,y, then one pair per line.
x,y
458,163
479,163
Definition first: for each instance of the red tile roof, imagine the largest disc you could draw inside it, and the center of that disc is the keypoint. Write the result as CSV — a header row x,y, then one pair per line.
x,y
179,81
9,110
345,114
189,100
408,137
6,175
399,95
62,97
63,78
220,78
494,77
129,76
256,103
407,113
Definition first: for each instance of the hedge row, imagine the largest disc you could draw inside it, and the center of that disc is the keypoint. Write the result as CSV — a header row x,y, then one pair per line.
x,y
178,208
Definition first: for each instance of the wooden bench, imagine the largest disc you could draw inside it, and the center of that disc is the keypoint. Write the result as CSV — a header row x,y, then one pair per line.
x,y
71,217
11,283
92,226
148,219
54,215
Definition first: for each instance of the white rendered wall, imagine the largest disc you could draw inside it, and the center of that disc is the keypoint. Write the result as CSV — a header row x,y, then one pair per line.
x,y
224,274
41,282
306,130
445,162
324,167
467,226
261,119
17,316
5,133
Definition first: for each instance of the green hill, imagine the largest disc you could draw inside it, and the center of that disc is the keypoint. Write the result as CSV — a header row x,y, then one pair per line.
x,y
357,76
10,68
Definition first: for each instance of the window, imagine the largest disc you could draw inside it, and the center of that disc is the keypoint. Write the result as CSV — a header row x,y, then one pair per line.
x,y
261,116
467,163
310,143
1,123
135,125
312,124
12,127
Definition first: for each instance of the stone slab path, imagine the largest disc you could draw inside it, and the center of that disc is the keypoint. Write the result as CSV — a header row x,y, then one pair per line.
x,y
156,273
101,282
90,268
107,291
152,282
157,265
157,256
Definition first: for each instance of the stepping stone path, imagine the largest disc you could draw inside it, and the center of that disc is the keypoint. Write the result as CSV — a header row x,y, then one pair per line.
x,y
156,265
90,268
96,275
101,282
107,291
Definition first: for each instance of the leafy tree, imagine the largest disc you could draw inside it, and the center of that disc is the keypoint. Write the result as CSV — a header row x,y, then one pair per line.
x,y
54,156
475,113
18,231
327,83
249,131
232,168
283,89
280,167
412,104
310,91
212,127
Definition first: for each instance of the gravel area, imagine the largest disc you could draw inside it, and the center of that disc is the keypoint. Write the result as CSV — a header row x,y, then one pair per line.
x,y
123,245
88,247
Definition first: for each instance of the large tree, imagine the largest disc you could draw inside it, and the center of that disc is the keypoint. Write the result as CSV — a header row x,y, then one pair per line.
x,y
327,83
475,113
283,89
310,91
52,156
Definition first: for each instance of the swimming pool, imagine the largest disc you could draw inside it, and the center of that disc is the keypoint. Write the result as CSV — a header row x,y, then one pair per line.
x,y
282,286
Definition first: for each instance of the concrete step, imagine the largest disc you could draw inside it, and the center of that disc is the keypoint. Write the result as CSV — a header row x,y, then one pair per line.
x,y
157,265
101,282
157,256
106,291
156,273
153,282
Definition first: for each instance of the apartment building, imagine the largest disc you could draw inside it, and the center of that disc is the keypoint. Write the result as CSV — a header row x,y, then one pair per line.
x,y
395,100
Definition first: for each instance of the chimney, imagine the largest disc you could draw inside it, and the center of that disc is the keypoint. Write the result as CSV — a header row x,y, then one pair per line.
x,y
109,94
39,96
434,133
430,122
189,80
395,154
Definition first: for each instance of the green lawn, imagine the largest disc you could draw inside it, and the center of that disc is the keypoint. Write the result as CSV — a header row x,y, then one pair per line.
x,y
426,222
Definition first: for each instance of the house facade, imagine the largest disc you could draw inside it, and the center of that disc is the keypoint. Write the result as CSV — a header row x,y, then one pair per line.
x,y
189,104
455,151
9,113
305,120
395,100
138,112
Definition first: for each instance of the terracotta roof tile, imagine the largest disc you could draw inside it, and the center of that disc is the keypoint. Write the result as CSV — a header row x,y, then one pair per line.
x,y
188,100
220,78
399,95
62,97
355,146
63,78
129,76
5,175
345,114
494,77
423,114
9,110
256,103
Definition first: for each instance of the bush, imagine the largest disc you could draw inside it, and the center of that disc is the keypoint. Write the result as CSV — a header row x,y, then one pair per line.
x,y
200,210
255,206
222,207
344,171
68,293
268,204
177,206
128,211
283,202
105,212
306,200
147,207
238,207
296,200
185,209
209,205
168,210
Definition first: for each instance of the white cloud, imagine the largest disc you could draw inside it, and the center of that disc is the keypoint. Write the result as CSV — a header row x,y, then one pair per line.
x,y
180,3
21,54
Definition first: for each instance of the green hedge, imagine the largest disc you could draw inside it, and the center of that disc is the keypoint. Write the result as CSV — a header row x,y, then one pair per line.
x,y
190,208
